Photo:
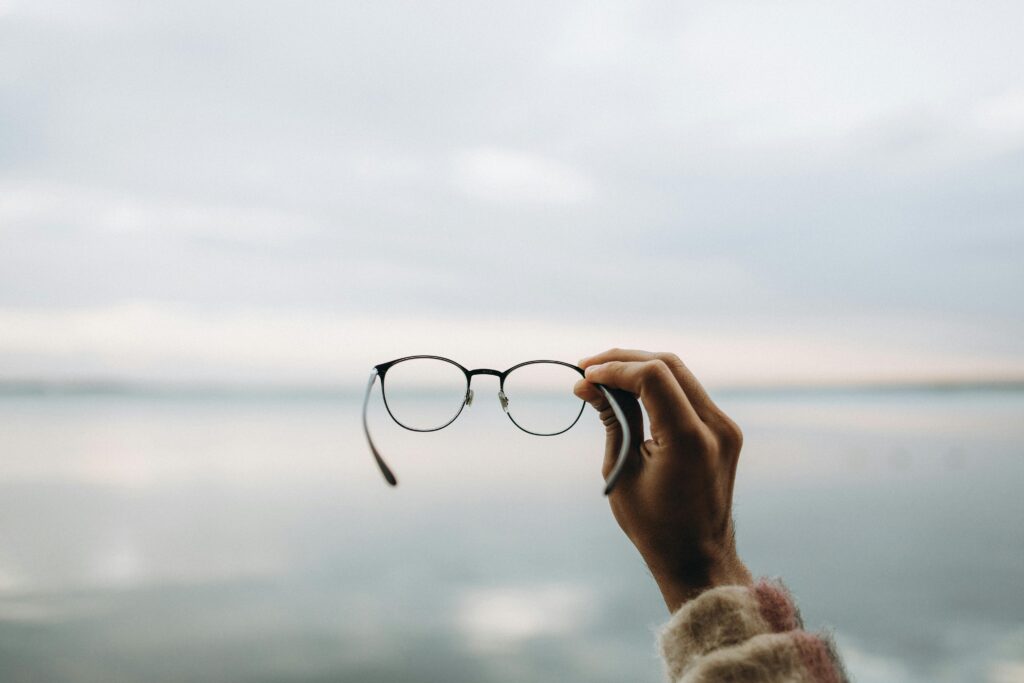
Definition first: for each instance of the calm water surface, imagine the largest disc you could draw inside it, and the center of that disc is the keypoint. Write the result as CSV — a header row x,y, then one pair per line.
x,y
148,537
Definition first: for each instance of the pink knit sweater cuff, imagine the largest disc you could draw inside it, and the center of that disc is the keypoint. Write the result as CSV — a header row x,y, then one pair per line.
x,y
746,633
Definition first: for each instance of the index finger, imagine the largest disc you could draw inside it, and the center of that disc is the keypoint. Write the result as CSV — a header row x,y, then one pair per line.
x,y
666,403
692,387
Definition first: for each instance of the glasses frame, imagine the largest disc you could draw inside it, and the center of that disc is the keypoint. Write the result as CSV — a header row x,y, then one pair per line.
x,y
467,397
382,369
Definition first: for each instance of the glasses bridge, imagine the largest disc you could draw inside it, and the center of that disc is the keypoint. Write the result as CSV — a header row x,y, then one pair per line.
x,y
485,371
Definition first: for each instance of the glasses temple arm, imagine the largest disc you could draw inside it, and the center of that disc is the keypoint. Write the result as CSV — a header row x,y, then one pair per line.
x,y
384,469
627,439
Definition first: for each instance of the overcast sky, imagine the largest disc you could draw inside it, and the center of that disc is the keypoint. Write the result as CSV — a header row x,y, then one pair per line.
x,y
260,191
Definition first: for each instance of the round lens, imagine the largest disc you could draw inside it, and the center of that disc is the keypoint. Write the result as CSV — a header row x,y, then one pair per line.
x,y
540,398
424,394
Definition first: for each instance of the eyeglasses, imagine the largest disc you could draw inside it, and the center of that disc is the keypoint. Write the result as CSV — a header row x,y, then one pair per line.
x,y
427,393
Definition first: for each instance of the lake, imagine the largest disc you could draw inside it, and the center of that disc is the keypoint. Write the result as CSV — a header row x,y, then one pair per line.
x,y
154,536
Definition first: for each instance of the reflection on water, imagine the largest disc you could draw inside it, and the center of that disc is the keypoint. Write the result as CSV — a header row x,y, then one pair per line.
x,y
160,538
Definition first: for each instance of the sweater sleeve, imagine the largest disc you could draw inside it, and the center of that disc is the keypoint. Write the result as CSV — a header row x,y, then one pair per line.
x,y
746,634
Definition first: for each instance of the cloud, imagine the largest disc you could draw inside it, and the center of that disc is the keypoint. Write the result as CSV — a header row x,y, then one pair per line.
x,y
63,208
663,167
511,176
1002,115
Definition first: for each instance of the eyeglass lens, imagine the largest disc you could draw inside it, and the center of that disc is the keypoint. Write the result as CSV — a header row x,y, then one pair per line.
x,y
424,394
540,398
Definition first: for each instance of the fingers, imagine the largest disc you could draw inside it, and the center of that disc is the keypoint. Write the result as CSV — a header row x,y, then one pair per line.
x,y
589,393
592,395
667,405
702,403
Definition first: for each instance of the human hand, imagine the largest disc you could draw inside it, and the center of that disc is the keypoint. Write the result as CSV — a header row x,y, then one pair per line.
x,y
674,500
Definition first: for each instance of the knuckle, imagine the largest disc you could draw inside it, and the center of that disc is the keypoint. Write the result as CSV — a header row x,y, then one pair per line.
x,y
653,373
670,359
655,368
730,434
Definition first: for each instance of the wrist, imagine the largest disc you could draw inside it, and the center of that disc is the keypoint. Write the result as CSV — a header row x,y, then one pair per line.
x,y
682,583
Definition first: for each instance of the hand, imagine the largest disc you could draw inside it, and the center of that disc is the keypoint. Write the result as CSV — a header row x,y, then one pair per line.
x,y
674,501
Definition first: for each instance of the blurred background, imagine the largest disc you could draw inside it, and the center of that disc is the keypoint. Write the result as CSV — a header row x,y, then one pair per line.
x,y
215,218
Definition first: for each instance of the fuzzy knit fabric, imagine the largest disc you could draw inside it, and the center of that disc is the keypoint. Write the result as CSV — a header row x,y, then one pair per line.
x,y
746,634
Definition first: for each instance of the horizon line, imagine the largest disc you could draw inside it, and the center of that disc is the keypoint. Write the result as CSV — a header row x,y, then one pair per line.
x,y
12,386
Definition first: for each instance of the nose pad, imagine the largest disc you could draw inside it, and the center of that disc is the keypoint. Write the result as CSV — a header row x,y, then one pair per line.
x,y
503,399
469,397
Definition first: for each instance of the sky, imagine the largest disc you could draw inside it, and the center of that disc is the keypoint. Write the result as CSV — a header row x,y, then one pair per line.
x,y
268,192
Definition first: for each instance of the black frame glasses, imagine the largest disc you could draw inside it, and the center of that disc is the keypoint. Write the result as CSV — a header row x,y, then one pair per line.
x,y
382,370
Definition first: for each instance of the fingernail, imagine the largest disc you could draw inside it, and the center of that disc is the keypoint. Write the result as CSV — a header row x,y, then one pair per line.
x,y
583,361
592,369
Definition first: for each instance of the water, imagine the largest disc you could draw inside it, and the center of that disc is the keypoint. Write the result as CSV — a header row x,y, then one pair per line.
x,y
210,537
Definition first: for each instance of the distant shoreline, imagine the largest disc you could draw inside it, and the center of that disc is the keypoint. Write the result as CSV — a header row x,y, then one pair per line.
x,y
128,389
